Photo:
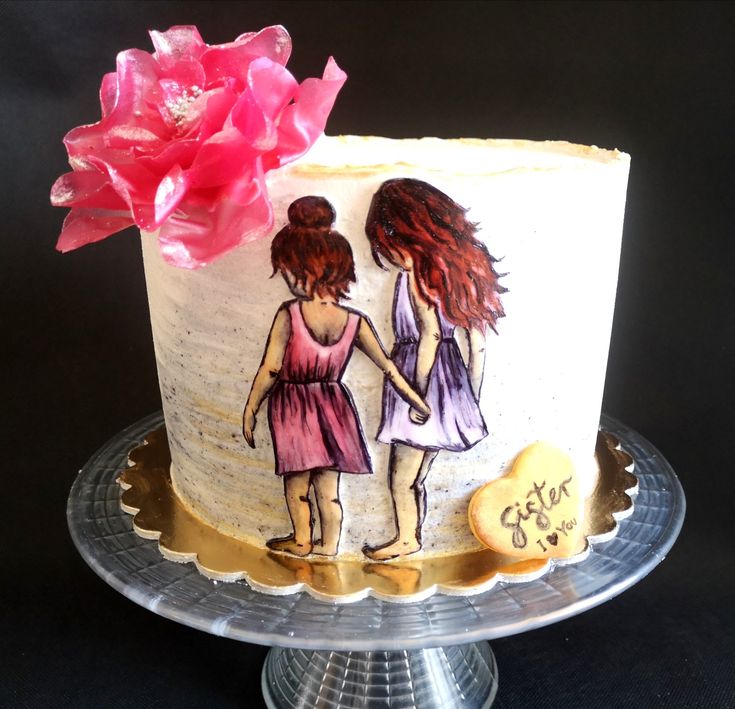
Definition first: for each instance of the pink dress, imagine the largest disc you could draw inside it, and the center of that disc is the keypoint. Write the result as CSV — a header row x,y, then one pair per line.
x,y
311,413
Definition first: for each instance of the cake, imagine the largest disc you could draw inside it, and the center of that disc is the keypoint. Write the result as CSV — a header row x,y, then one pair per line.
x,y
550,212
494,336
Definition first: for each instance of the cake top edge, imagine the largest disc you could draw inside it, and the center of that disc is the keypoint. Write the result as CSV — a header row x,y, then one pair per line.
x,y
514,143
369,153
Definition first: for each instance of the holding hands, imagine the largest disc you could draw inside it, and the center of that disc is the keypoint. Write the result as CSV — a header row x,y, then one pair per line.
x,y
419,416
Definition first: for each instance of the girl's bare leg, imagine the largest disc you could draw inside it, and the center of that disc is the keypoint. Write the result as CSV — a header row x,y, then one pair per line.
x,y
420,486
408,470
296,490
326,487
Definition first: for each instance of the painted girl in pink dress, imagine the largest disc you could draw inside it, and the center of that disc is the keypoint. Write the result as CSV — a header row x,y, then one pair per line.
x,y
446,281
314,425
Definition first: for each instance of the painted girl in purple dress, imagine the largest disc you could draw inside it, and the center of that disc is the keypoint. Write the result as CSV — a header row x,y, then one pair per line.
x,y
446,280
314,425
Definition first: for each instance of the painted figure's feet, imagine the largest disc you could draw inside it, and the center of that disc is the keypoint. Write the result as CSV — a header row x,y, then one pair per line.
x,y
289,545
392,550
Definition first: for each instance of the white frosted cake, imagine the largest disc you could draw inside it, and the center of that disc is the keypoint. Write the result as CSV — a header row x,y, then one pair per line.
x,y
368,349
551,213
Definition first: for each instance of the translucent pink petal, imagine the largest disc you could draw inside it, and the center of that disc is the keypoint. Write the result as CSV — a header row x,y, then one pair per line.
x,y
244,37
272,42
176,44
245,191
303,121
85,226
233,59
83,140
128,117
219,106
127,177
73,187
170,192
138,94
208,234
255,127
223,158
85,189
272,86
204,197
123,136
108,93
136,186
187,72
181,153
137,81
198,240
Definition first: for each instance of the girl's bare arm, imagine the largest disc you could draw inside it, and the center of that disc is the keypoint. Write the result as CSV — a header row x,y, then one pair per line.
x,y
476,365
369,343
267,375
430,335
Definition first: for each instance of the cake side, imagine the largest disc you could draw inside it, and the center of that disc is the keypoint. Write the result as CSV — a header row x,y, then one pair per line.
x,y
551,212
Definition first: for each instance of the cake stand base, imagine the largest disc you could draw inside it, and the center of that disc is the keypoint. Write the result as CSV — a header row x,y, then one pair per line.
x,y
371,653
456,676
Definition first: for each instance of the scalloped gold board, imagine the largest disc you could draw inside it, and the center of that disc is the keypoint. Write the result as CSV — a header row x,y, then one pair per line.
x,y
182,537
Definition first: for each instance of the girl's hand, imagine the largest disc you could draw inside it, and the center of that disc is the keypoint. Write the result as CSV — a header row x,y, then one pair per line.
x,y
419,417
248,426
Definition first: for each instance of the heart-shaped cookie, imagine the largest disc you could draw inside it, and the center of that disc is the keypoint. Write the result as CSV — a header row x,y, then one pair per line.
x,y
533,512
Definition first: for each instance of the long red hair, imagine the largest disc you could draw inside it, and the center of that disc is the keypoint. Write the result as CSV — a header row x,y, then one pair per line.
x,y
312,251
453,269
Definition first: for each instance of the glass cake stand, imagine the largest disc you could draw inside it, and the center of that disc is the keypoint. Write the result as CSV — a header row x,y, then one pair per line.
x,y
370,653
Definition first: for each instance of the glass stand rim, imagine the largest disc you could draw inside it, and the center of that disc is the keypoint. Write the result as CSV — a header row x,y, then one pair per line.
x,y
103,534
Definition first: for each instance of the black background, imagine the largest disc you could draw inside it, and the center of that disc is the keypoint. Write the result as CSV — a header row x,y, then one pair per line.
x,y
655,80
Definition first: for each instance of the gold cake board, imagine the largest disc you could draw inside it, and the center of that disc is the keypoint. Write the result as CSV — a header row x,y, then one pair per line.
x,y
148,494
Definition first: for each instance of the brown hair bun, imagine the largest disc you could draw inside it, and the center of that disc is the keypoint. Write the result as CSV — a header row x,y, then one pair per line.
x,y
311,212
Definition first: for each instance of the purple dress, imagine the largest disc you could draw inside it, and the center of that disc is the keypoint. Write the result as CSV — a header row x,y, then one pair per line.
x,y
456,423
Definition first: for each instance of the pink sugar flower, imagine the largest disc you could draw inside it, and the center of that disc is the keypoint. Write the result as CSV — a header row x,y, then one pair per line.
x,y
186,137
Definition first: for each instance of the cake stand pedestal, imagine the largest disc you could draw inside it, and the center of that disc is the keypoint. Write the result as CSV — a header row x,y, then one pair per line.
x,y
370,653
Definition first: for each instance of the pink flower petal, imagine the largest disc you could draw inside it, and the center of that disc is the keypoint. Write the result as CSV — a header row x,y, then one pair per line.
x,y
135,117
272,86
233,59
170,192
253,125
85,189
223,158
198,240
131,121
219,106
188,73
244,37
303,121
243,214
135,185
272,42
177,44
181,152
108,93
137,82
83,140
125,136
85,226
